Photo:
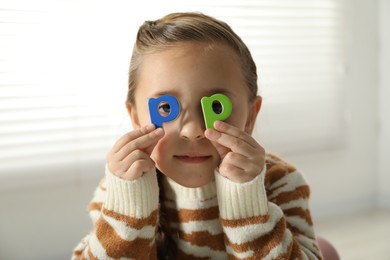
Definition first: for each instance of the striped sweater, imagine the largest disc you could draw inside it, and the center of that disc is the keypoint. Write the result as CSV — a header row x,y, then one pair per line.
x,y
266,218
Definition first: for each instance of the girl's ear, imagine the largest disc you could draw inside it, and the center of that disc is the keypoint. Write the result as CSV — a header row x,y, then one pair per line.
x,y
253,112
133,116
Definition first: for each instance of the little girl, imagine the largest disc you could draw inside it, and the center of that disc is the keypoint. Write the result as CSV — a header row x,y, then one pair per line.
x,y
186,192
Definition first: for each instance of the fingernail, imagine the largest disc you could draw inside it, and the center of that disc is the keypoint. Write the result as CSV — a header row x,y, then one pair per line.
x,y
150,127
159,132
218,124
211,134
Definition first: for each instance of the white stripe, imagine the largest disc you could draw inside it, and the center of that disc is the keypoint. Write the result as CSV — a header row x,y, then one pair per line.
x,y
127,233
99,197
212,226
241,255
97,249
247,233
299,203
289,183
82,246
307,246
200,251
301,224
281,248
94,215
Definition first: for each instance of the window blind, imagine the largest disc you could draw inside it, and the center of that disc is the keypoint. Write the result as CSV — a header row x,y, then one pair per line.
x,y
52,108
298,47
63,75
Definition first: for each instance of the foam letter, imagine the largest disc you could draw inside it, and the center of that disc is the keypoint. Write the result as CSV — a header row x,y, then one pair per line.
x,y
210,116
156,117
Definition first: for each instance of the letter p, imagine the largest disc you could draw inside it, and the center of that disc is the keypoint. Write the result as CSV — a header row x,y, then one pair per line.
x,y
216,107
165,102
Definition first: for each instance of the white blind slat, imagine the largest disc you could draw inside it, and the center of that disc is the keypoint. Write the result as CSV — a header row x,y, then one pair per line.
x,y
52,105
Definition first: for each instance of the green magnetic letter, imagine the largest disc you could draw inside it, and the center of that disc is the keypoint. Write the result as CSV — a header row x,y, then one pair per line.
x,y
209,113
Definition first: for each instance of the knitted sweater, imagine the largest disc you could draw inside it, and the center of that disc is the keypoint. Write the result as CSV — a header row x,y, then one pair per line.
x,y
266,218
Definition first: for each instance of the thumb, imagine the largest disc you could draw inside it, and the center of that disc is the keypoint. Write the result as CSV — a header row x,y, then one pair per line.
x,y
158,134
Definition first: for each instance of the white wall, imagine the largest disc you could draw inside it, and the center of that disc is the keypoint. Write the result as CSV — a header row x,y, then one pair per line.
x,y
345,180
384,104
43,222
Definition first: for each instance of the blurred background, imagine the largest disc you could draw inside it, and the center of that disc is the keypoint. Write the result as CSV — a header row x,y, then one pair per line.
x,y
63,82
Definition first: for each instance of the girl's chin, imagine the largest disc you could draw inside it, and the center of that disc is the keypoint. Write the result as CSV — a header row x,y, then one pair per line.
x,y
191,180
191,184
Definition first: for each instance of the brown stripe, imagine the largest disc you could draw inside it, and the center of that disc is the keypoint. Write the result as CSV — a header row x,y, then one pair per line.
x,y
203,238
296,231
78,254
132,222
244,222
91,256
95,206
153,252
296,252
270,191
301,192
116,247
187,215
299,212
183,255
276,172
272,159
263,244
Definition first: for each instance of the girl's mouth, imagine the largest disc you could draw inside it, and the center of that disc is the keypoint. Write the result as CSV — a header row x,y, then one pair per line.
x,y
193,158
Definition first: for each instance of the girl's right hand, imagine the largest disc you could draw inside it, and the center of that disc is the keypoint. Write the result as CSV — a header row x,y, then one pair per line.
x,y
129,158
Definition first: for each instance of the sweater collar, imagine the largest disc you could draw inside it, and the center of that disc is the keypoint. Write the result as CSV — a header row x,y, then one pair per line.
x,y
175,191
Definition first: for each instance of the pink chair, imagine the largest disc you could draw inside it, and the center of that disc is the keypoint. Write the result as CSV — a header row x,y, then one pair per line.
x,y
328,250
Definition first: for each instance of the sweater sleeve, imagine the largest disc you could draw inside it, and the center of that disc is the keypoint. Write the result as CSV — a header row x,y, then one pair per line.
x,y
270,222
124,216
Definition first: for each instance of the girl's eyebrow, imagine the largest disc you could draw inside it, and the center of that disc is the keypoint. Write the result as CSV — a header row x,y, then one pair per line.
x,y
213,91
210,92
165,92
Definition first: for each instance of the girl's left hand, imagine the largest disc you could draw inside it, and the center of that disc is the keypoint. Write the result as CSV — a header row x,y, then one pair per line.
x,y
242,158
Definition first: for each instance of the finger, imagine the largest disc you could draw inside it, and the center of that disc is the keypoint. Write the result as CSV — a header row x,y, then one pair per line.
x,y
238,160
234,173
134,156
138,168
123,166
128,137
222,150
144,143
229,171
233,143
236,132
251,166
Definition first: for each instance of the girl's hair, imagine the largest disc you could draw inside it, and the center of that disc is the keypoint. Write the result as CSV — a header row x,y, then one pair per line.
x,y
177,28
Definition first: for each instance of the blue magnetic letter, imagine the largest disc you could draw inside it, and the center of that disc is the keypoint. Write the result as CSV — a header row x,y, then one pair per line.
x,y
156,117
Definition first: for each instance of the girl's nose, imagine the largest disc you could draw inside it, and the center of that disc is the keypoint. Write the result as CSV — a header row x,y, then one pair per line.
x,y
192,130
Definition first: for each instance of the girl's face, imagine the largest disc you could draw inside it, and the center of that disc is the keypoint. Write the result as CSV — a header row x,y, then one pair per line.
x,y
190,71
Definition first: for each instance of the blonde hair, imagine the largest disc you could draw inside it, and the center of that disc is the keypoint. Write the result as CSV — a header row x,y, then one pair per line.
x,y
177,28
